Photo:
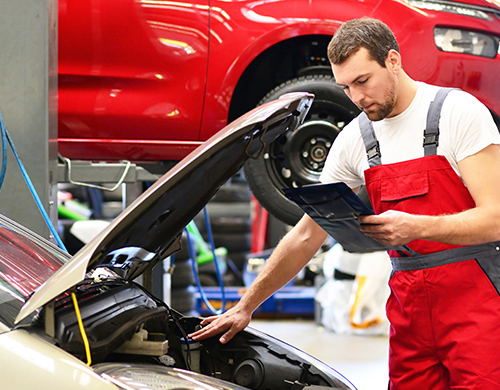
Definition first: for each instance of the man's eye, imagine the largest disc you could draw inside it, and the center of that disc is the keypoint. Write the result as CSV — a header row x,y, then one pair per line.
x,y
362,81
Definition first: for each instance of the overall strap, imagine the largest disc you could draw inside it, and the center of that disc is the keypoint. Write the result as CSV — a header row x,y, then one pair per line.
x,y
431,132
431,141
436,259
373,153
370,140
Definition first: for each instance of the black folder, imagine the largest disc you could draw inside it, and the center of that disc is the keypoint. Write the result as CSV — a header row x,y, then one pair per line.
x,y
336,208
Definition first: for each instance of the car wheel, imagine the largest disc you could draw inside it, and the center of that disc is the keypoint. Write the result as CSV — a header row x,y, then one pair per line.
x,y
297,158
233,242
232,193
183,300
233,225
182,275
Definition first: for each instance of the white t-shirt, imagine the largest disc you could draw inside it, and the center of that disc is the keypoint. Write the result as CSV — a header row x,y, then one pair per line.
x,y
465,128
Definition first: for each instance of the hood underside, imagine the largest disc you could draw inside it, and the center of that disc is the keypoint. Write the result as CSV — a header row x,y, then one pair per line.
x,y
148,230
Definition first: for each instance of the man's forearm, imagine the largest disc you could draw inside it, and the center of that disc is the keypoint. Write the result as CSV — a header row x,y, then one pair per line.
x,y
470,227
291,255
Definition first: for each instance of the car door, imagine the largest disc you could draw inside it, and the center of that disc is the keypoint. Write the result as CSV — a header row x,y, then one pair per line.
x,y
130,72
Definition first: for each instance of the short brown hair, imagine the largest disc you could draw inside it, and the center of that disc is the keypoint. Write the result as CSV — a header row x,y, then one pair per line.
x,y
372,34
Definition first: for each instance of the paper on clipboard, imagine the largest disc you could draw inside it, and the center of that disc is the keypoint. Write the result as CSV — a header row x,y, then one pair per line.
x,y
336,208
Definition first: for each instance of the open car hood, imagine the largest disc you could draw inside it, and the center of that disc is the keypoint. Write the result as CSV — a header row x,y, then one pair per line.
x,y
149,229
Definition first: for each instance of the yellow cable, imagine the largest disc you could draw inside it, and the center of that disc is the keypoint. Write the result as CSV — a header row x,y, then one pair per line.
x,y
82,329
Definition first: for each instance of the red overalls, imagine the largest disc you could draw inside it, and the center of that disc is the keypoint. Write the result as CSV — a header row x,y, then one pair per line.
x,y
444,306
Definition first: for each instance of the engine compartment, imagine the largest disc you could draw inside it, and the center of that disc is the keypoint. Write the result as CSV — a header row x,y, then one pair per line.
x,y
126,324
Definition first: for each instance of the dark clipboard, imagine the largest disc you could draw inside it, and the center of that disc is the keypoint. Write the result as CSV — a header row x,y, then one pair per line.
x,y
336,208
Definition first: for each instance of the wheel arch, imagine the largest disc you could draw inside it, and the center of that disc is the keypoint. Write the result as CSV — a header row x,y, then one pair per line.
x,y
280,62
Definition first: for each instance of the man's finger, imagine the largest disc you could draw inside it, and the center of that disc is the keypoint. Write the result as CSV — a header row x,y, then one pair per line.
x,y
207,320
209,330
227,336
368,219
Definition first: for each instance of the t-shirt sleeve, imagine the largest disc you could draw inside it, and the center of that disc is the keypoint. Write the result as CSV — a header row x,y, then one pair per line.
x,y
475,128
345,158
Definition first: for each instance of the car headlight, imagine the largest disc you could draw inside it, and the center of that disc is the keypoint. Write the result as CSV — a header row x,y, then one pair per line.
x,y
452,8
154,377
467,42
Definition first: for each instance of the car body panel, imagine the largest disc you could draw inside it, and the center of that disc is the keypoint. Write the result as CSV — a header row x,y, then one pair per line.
x,y
32,362
126,58
151,80
3,328
148,230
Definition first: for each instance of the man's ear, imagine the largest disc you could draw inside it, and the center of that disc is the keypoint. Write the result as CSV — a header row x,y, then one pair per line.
x,y
393,60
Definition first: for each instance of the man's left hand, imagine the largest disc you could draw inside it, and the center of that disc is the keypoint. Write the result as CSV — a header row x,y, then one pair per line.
x,y
390,228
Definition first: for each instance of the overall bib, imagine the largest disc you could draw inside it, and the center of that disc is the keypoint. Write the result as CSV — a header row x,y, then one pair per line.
x,y
444,306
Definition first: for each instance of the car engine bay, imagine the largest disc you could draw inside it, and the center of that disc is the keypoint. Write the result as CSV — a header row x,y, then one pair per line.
x,y
125,324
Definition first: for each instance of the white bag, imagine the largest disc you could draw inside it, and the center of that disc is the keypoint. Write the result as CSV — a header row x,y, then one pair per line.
x,y
355,306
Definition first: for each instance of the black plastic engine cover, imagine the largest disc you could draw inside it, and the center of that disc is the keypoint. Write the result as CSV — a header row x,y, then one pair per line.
x,y
111,312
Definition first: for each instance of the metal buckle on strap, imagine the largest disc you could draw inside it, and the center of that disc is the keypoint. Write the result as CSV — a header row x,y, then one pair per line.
x,y
373,152
431,139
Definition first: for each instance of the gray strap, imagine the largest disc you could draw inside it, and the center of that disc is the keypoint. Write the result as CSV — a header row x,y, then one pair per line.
x,y
431,132
445,257
407,252
371,144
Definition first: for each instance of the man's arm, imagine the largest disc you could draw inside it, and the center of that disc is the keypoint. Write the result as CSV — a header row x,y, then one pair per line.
x,y
289,257
481,174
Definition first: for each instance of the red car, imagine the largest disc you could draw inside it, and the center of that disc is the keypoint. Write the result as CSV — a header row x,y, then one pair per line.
x,y
150,80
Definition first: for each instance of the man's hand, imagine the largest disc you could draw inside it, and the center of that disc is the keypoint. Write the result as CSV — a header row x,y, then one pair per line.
x,y
230,322
390,228
291,255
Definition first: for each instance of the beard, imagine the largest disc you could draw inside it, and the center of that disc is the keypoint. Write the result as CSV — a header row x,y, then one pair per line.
x,y
383,110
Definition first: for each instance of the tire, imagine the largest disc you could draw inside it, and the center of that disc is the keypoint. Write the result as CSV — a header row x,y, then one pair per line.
x,y
233,242
183,299
224,224
297,158
208,280
231,225
232,193
239,259
182,276
184,254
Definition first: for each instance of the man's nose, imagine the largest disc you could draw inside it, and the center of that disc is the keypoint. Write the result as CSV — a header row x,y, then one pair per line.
x,y
356,96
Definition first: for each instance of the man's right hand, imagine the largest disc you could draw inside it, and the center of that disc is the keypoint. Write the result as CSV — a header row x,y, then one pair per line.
x,y
229,323
291,255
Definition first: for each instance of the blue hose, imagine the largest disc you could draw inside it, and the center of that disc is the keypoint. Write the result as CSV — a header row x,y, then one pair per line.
x,y
216,263
6,137
4,151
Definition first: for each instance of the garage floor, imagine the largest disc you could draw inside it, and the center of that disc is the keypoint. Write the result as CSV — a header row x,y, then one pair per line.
x,y
361,359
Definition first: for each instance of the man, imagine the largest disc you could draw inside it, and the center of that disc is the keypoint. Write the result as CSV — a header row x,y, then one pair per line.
x,y
438,197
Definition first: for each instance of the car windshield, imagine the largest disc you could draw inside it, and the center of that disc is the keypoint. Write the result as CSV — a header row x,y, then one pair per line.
x,y
26,262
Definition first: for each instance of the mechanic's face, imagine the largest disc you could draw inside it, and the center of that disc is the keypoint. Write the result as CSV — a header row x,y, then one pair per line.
x,y
371,87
